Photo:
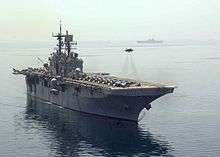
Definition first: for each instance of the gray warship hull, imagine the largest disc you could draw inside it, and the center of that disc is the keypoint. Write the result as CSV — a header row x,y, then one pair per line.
x,y
62,81
121,103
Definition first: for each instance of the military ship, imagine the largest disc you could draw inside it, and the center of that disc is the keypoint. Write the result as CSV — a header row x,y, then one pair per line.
x,y
63,82
150,41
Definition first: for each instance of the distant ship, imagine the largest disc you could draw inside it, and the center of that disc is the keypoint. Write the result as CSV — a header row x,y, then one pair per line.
x,y
150,41
63,82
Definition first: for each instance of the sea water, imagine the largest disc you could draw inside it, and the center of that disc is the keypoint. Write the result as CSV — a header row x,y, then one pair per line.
x,y
185,123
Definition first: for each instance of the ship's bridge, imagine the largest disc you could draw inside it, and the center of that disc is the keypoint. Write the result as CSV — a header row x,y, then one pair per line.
x,y
64,60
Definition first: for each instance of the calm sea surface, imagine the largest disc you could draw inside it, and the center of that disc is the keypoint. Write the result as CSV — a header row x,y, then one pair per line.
x,y
185,123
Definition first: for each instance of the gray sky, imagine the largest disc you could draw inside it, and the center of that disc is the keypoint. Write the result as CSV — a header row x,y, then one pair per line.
x,y
111,20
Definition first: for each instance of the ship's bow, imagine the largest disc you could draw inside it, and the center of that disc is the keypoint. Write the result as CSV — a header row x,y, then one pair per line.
x,y
127,103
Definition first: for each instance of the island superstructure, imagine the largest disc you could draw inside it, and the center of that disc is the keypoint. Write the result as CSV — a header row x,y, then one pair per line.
x,y
63,82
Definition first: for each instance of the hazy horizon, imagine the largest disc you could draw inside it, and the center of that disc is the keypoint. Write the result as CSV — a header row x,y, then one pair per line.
x,y
119,20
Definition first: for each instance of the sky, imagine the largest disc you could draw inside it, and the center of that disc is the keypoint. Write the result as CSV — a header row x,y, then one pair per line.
x,y
111,20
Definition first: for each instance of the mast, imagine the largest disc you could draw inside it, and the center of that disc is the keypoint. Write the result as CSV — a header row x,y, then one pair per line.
x,y
59,37
64,40
60,27
65,60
